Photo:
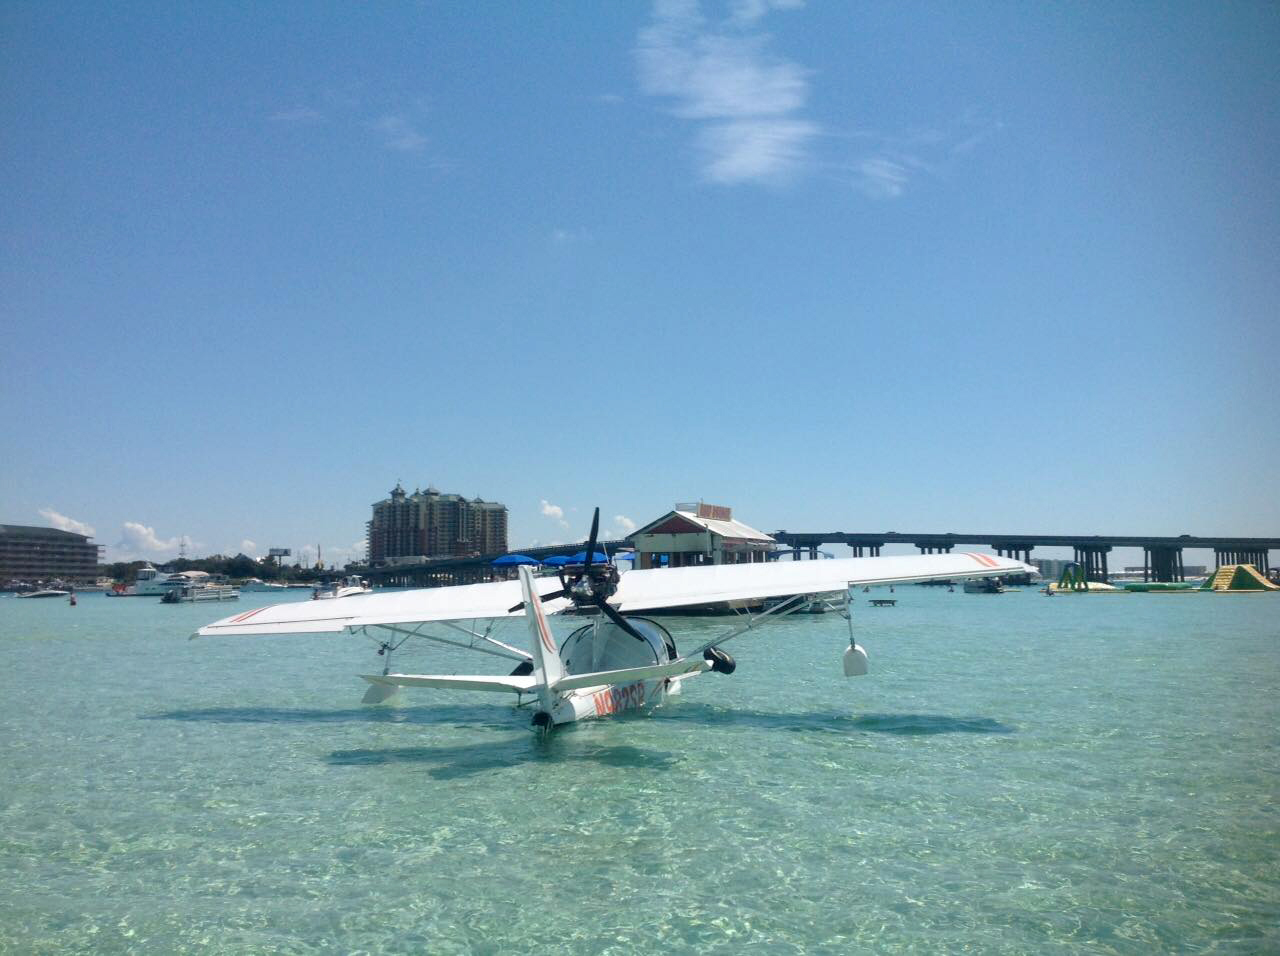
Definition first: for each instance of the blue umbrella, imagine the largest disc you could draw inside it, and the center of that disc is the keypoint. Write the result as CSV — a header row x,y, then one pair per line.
x,y
559,561
511,560
596,558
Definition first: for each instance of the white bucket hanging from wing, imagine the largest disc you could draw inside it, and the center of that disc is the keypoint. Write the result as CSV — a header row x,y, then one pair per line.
x,y
855,660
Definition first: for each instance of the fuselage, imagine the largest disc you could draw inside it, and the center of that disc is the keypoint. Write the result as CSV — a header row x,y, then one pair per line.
x,y
603,646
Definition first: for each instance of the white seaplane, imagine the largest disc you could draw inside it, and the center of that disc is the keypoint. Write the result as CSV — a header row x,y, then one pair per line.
x,y
614,662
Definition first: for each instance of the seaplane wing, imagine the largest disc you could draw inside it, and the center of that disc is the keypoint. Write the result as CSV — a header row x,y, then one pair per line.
x,y
637,591
466,602
658,588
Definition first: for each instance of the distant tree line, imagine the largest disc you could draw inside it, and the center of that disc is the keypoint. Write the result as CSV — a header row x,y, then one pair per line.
x,y
241,566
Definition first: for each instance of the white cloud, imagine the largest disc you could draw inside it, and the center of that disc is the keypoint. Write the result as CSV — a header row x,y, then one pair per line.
x,y
881,178
63,523
248,547
399,133
349,554
554,512
753,150
892,163
623,526
139,540
748,11
725,78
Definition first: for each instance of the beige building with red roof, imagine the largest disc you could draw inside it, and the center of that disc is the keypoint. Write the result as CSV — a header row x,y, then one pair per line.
x,y
699,533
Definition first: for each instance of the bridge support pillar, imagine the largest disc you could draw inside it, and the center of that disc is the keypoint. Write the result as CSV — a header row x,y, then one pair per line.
x,y
1093,558
1163,564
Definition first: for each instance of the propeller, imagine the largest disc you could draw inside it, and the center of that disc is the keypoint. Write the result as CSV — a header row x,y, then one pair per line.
x,y
567,589
592,585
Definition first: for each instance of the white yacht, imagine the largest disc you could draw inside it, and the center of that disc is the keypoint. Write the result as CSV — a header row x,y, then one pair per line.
x,y
150,583
351,584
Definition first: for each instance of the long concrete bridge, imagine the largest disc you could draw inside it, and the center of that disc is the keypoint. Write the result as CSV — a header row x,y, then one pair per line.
x,y
1162,556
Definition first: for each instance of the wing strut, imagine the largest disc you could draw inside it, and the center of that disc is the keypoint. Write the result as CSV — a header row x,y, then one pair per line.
x,y
496,647
789,606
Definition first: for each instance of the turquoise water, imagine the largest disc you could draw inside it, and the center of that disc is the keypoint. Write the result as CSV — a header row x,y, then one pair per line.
x,y
1016,775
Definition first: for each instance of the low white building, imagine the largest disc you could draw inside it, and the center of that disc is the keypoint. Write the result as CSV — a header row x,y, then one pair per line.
x,y
699,533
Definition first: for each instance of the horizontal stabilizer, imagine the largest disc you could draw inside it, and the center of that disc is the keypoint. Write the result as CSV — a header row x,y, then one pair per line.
x,y
629,674
514,684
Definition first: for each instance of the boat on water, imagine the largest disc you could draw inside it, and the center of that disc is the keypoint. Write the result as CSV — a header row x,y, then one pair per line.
x,y
191,593
149,583
257,584
984,586
43,593
348,586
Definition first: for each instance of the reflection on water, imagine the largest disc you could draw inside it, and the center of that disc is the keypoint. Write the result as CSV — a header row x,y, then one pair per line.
x,y
468,760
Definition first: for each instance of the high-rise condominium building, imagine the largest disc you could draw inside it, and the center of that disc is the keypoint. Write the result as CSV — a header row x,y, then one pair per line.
x,y
434,525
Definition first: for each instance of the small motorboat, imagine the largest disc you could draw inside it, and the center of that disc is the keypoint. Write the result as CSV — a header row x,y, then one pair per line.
x,y
351,584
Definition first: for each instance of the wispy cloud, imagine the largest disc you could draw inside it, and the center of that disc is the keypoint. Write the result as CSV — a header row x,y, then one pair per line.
x,y
398,133
63,523
554,512
722,76
882,178
889,164
622,526
248,547
392,122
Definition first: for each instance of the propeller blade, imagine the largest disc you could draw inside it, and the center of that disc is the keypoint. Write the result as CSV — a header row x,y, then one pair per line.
x,y
549,596
612,614
591,542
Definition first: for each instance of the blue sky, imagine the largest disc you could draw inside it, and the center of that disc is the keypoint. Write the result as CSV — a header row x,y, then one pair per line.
x,y
953,267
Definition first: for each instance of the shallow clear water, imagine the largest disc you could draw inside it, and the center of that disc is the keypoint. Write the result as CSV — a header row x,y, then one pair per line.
x,y
1017,774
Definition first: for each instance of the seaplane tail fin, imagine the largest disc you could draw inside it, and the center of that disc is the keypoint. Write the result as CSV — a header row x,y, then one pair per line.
x,y
547,666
